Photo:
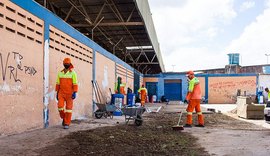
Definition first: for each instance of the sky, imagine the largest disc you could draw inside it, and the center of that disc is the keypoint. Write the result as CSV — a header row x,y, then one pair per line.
x,y
198,34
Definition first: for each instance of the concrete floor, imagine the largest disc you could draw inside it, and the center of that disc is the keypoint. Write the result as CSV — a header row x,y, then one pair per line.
x,y
227,108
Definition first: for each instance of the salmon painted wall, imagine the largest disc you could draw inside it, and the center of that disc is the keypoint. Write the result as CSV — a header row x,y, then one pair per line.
x,y
130,79
121,71
150,79
224,89
141,81
62,46
202,83
21,69
33,44
105,75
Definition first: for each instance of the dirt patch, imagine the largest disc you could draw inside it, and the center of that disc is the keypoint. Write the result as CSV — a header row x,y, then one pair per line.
x,y
154,137
223,135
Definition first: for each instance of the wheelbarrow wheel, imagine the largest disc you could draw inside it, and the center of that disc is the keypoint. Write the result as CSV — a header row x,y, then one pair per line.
x,y
98,114
138,121
110,114
106,114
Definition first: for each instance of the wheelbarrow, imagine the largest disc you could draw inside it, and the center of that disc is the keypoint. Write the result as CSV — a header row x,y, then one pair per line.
x,y
133,113
105,110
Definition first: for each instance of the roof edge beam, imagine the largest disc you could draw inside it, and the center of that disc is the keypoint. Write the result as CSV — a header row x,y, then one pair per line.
x,y
112,24
144,63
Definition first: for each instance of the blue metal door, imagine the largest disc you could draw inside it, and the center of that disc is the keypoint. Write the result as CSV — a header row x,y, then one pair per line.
x,y
173,89
136,83
151,88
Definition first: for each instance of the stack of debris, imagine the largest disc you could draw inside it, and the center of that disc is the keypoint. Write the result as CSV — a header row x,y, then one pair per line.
x,y
246,109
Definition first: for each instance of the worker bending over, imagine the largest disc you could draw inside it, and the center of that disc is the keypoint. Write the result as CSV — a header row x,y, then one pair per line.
x,y
66,88
193,98
143,93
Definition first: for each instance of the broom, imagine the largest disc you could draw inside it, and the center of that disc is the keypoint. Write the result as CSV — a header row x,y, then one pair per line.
x,y
178,127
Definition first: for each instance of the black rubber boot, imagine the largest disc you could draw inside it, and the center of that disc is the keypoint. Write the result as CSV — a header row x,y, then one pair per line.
x,y
199,125
187,126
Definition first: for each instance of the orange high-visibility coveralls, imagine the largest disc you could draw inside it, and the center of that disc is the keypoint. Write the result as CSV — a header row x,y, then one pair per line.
x,y
143,92
122,88
66,84
194,97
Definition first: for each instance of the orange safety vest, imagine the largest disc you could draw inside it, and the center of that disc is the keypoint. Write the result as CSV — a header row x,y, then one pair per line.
x,y
66,82
194,89
122,88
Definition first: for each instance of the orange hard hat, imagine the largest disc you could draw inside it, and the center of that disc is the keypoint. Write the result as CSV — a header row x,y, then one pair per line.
x,y
67,61
190,73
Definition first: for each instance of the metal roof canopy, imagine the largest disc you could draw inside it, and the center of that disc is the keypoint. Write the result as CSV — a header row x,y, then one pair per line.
x,y
122,27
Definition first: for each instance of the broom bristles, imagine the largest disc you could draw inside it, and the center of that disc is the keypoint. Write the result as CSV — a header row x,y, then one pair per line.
x,y
178,127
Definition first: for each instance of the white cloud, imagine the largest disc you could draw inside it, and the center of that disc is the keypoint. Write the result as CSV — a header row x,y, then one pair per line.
x,y
267,3
212,32
190,33
253,43
188,58
247,5
182,27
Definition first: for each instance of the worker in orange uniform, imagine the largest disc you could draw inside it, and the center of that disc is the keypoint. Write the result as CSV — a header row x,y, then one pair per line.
x,y
193,98
268,96
66,88
143,93
119,86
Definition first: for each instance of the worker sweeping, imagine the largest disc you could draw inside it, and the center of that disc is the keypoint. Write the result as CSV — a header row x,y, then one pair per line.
x,y
193,98
66,88
143,93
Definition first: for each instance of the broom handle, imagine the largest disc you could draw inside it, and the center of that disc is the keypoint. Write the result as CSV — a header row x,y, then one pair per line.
x,y
180,118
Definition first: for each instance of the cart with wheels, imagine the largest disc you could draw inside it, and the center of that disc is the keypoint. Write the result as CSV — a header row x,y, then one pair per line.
x,y
105,110
133,113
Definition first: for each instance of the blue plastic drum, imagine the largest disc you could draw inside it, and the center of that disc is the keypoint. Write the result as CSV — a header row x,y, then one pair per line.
x,y
130,99
117,100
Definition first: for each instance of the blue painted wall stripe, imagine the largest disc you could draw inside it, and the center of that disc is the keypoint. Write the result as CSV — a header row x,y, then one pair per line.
x,y
226,75
206,88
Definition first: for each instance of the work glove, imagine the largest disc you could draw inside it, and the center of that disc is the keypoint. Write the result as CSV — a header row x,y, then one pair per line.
x,y
73,95
186,101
